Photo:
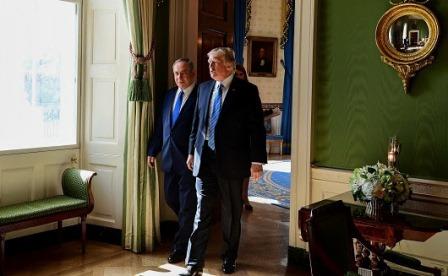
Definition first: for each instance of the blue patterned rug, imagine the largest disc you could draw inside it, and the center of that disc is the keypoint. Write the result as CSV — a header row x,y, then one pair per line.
x,y
273,186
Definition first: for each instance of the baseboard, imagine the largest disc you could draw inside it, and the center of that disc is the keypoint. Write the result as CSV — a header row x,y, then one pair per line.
x,y
102,234
298,256
69,233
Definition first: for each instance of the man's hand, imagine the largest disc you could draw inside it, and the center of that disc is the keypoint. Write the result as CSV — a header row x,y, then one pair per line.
x,y
190,160
151,161
256,171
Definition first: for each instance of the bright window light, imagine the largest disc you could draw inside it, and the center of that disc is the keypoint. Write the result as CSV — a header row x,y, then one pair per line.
x,y
38,74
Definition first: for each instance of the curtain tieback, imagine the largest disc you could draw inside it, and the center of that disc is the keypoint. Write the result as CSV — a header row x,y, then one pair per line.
x,y
140,62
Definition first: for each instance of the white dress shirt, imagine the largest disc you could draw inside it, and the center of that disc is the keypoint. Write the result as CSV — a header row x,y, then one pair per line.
x,y
225,88
187,93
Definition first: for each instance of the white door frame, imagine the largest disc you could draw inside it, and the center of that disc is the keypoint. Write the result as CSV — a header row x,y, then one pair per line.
x,y
301,140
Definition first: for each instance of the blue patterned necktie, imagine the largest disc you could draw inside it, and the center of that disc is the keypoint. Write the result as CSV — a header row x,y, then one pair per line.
x,y
177,106
213,120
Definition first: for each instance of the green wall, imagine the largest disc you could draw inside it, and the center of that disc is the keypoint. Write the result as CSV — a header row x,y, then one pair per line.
x,y
359,101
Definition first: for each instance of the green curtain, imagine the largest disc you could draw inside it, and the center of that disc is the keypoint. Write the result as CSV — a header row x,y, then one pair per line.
x,y
141,220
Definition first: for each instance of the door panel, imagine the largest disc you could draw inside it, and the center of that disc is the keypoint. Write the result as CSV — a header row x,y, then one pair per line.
x,y
105,77
215,29
214,9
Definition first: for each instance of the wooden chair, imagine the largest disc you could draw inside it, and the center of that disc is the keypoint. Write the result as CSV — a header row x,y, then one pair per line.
x,y
331,231
272,138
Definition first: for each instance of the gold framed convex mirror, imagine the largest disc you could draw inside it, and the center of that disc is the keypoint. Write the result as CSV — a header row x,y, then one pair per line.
x,y
406,35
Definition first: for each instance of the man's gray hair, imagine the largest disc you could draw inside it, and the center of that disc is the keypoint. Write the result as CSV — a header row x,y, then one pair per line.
x,y
187,61
226,52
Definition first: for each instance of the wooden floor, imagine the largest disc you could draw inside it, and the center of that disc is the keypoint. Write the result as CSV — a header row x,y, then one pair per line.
x,y
263,251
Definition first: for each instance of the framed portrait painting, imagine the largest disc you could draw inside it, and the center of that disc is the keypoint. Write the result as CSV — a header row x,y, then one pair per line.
x,y
262,56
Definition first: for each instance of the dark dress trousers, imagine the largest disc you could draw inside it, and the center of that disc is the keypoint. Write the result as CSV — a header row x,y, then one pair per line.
x,y
240,139
179,184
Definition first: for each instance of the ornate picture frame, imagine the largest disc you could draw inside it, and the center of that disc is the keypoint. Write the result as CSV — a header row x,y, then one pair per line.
x,y
262,56
406,36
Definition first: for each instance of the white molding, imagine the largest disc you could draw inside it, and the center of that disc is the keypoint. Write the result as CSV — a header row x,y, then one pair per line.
x,y
426,189
304,29
332,175
327,183
434,189
106,149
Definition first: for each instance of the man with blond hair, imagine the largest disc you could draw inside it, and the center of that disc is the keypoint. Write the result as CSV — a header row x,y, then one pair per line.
x,y
227,144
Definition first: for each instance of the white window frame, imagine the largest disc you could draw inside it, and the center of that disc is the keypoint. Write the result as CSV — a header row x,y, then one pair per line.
x,y
79,83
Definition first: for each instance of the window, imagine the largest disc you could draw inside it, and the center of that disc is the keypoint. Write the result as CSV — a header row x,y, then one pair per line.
x,y
38,73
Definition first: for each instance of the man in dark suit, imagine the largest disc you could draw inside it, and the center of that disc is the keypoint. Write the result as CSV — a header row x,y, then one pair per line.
x,y
227,144
171,137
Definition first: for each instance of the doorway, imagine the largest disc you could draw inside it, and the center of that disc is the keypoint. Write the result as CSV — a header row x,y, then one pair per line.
x,y
274,187
208,37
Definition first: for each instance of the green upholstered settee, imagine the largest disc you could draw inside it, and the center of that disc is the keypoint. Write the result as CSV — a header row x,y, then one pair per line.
x,y
77,201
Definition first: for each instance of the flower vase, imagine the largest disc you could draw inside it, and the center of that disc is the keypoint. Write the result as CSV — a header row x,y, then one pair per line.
x,y
394,208
374,208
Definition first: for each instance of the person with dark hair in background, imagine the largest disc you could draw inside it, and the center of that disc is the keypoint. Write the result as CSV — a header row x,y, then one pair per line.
x,y
227,144
240,72
171,138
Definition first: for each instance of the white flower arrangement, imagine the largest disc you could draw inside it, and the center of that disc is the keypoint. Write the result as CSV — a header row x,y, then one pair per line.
x,y
381,182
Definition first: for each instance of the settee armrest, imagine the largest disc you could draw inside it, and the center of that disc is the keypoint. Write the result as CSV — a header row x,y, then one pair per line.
x,y
77,183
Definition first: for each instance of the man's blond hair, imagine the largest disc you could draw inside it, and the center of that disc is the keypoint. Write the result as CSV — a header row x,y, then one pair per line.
x,y
226,52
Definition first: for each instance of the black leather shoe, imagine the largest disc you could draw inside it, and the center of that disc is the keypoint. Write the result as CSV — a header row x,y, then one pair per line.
x,y
192,271
228,266
248,207
175,257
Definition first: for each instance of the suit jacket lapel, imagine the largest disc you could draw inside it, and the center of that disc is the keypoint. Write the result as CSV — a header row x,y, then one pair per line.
x,y
208,95
169,106
229,97
186,106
